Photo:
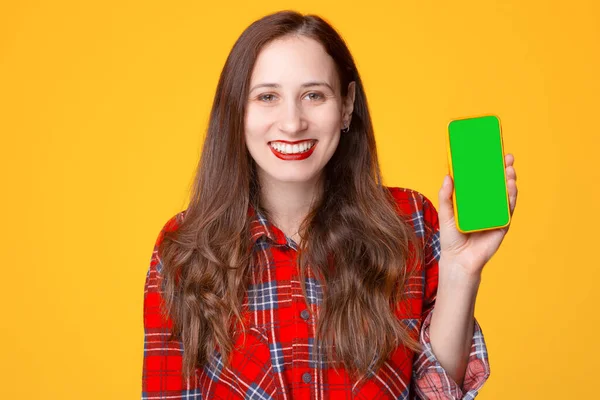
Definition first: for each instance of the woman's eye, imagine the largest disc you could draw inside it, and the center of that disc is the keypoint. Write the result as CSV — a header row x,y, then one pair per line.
x,y
266,97
315,96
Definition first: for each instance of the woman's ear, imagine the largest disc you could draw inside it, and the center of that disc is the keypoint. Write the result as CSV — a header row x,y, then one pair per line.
x,y
349,103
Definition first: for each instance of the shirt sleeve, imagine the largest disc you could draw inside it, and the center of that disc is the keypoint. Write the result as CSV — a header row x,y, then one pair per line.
x,y
430,379
162,376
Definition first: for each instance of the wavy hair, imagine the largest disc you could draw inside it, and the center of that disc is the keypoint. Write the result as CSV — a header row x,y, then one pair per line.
x,y
354,226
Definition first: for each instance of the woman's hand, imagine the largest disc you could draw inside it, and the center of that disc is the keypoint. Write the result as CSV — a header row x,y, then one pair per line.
x,y
471,251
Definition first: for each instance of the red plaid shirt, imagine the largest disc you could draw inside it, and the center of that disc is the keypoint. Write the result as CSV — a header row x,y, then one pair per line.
x,y
276,361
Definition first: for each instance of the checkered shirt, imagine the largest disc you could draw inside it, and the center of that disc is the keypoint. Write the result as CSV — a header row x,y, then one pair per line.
x,y
275,361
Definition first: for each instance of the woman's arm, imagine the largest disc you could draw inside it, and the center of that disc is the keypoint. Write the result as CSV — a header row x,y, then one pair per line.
x,y
453,320
162,376
449,329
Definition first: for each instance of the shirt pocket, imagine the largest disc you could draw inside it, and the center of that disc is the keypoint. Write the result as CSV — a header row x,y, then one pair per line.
x,y
250,372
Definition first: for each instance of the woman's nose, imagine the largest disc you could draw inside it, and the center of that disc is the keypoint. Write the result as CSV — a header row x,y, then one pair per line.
x,y
292,118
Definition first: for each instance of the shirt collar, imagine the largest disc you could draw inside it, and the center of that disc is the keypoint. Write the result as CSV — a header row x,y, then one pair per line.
x,y
261,229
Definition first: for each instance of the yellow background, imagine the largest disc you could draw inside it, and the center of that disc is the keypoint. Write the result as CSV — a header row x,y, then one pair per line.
x,y
102,113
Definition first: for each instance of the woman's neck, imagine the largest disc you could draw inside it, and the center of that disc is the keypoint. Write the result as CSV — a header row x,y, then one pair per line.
x,y
288,203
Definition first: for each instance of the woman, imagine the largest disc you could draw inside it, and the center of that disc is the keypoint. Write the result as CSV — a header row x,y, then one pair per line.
x,y
294,273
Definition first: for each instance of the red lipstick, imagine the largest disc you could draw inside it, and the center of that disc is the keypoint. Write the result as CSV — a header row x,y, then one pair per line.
x,y
293,157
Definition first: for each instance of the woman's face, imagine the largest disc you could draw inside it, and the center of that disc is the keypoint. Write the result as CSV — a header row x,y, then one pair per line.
x,y
295,110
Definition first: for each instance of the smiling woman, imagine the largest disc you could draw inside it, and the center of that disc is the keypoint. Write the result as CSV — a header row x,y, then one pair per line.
x,y
295,97
294,273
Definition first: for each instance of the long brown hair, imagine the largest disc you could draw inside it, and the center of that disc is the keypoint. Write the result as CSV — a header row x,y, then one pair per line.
x,y
355,226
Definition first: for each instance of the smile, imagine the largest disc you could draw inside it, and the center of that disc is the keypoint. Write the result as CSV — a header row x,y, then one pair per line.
x,y
293,151
288,148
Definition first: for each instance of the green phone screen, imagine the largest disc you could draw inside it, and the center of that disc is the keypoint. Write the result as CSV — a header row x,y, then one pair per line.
x,y
477,162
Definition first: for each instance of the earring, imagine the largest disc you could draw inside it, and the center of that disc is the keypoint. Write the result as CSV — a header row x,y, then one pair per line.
x,y
347,124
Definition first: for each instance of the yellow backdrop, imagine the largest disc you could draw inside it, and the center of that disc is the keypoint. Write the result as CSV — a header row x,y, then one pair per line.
x,y
103,107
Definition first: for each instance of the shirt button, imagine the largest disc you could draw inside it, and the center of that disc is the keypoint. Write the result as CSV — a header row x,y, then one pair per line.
x,y
305,314
306,377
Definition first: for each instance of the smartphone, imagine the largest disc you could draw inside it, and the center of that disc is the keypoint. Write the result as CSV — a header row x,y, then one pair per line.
x,y
476,164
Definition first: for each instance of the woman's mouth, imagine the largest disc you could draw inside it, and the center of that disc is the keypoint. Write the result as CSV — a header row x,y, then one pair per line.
x,y
296,151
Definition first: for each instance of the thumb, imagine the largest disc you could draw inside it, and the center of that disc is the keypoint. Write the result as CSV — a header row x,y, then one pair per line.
x,y
446,209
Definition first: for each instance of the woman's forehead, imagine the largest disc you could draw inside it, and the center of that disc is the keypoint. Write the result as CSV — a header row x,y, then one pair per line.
x,y
294,60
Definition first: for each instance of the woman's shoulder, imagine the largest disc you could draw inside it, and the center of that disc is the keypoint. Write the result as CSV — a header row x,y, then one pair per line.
x,y
418,207
172,224
175,221
410,200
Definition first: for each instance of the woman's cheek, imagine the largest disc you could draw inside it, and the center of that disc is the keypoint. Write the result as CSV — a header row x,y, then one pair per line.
x,y
328,116
257,121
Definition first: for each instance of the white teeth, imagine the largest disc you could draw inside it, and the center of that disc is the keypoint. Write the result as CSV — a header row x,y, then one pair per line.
x,y
292,149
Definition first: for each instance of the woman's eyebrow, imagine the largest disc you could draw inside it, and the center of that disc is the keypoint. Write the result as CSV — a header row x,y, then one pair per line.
x,y
304,85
